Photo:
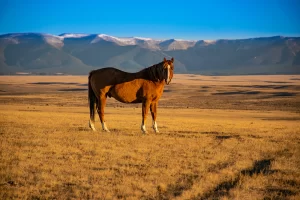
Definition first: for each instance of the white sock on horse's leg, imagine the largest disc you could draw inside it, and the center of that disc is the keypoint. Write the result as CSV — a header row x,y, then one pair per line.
x,y
143,128
154,126
91,125
104,127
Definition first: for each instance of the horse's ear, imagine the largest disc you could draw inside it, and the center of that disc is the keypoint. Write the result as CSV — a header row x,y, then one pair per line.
x,y
165,60
172,59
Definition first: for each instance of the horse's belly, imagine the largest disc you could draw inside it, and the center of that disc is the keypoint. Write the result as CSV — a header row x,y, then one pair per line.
x,y
126,93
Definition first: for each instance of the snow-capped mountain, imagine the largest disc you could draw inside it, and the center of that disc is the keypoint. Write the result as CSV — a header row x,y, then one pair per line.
x,y
149,43
58,41
80,53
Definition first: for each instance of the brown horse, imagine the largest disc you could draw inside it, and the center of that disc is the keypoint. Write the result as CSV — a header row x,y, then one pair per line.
x,y
145,86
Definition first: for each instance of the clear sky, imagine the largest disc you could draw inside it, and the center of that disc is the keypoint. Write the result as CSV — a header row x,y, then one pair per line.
x,y
160,19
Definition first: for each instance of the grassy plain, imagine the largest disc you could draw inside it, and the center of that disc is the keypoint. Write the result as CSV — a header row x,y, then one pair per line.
x,y
221,137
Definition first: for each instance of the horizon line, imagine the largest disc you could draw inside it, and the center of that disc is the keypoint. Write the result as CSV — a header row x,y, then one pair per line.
x,y
154,38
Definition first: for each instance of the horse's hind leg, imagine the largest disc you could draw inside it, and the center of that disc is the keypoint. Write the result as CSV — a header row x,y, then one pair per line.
x,y
145,108
102,104
92,119
153,109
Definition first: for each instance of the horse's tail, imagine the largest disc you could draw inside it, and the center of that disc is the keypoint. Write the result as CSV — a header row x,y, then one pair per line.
x,y
92,99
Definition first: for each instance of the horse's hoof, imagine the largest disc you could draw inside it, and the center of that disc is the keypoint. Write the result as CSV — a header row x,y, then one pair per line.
x,y
92,127
155,130
143,129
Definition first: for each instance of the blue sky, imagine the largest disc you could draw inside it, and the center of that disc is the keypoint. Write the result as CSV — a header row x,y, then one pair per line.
x,y
160,19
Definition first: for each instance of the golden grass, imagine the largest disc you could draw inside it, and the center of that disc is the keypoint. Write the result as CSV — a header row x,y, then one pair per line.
x,y
228,151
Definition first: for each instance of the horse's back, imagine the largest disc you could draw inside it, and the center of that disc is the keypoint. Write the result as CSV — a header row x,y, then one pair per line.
x,y
105,71
105,76
103,79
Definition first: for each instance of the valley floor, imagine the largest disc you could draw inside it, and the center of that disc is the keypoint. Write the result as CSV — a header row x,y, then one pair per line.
x,y
231,137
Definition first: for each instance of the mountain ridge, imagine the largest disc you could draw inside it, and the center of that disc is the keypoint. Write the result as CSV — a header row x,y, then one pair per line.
x,y
71,53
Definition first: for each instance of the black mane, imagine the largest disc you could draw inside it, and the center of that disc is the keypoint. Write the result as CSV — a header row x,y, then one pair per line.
x,y
156,72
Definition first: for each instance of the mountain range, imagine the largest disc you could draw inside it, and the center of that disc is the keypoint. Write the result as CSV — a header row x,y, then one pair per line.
x,y
67,53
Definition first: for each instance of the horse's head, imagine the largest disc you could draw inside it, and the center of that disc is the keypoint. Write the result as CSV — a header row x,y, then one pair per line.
x,y
168,70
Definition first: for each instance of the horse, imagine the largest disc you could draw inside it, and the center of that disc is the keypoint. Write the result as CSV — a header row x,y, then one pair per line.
x,y
145,86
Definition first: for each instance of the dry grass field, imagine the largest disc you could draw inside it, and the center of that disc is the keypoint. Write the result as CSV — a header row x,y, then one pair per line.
x,y
221,137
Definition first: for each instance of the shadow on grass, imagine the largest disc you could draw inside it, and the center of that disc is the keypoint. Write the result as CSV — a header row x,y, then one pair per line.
x,y
176,189
73,90
54,83
224,137
283,94
276,87
237,92
282,118
278,193
185,182
259,167
277,82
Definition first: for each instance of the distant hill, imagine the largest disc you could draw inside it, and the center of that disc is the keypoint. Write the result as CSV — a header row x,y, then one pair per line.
x,y
79,53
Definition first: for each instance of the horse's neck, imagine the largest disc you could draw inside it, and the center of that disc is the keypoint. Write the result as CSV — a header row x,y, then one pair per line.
x,y
136,75
149,76
144,74
141,74
154,73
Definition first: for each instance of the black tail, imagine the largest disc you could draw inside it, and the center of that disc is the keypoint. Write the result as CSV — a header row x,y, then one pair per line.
x,y
92,99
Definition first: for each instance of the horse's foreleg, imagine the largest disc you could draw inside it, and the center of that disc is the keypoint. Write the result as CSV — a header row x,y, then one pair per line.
x,y
102,104
153,109
145,108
